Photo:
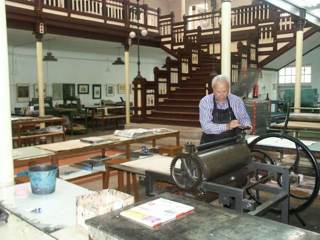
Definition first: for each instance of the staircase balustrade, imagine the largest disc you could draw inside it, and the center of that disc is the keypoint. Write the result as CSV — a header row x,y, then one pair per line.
x,y
148,94
269,22
113,12
144,98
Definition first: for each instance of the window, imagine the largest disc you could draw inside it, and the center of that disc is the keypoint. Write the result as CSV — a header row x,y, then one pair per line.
x,y
288,75
193,23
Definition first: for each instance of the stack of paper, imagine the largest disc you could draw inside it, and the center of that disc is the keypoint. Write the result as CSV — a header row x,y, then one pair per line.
x,y
131,133
93,140
157,212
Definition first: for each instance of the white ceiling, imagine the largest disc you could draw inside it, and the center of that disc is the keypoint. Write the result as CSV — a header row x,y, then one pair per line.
x,y
20,38
295,6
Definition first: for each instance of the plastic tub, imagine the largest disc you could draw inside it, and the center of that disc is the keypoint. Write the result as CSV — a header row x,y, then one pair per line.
x,y
43,178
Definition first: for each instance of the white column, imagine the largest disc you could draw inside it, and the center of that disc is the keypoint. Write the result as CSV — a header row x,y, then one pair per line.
x,y
126,62
39,46
226,38
6,160
183,8
299,49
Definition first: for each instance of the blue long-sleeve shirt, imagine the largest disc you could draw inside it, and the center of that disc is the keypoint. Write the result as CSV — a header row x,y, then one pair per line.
x,y
206,106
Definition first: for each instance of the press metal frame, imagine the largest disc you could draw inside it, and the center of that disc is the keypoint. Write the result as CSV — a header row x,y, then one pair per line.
x,y
235,197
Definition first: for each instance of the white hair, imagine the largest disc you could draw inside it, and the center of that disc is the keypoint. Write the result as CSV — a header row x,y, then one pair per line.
x,y
220,79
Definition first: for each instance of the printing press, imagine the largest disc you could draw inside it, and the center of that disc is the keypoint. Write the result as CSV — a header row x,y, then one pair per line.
x,y
243,181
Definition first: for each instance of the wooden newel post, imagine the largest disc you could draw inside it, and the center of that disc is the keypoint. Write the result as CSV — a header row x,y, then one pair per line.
x,y
140,106
156,85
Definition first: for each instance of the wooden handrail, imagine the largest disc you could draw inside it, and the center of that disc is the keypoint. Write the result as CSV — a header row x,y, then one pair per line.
x,y
114,10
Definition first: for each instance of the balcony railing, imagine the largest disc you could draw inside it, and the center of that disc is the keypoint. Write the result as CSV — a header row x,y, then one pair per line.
x,y
112,12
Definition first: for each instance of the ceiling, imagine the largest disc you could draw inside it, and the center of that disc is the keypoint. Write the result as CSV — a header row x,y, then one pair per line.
x,y
312,8
21,38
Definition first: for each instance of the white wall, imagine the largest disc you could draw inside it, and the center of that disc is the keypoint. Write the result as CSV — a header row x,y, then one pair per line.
x,y
310,59
268,84
79,67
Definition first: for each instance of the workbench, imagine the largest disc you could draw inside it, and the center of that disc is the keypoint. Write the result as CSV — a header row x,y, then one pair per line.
x,y
27,130
16,228
206,222
50,212
75,151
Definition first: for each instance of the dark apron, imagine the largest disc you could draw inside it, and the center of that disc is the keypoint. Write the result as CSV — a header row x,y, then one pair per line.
x,y
220,116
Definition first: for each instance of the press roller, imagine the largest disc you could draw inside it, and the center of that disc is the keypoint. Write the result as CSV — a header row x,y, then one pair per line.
x,y
222,161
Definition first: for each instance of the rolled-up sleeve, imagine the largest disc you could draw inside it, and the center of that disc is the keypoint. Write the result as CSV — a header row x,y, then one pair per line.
x,y
240,111
205,117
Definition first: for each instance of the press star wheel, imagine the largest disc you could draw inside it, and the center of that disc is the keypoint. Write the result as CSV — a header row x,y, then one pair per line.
x,y
186,171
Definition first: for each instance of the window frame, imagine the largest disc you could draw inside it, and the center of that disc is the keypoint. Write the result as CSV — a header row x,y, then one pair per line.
x,y
287,75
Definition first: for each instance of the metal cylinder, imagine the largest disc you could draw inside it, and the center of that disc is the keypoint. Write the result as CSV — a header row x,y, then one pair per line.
x,y
304,117
224,160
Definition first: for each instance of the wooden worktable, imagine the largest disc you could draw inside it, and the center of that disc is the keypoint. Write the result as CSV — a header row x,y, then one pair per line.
x,y
206,222
25,130
75,151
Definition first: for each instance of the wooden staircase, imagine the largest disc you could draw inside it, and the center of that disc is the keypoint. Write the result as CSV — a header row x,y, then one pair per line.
x,y
182,105
260,32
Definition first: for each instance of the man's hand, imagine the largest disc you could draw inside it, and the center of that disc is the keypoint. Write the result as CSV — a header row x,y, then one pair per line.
x,y
249,131
233,124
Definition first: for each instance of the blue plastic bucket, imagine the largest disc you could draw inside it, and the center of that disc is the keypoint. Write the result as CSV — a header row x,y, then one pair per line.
x,y
43,178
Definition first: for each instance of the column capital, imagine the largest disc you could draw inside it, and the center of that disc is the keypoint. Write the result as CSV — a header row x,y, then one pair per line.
x,y
126,44
222,1
300,22
39,30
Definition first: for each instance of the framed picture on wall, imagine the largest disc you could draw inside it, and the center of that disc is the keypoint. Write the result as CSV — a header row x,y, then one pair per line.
x,y
23,93
110,90
83,88
121,88
96,91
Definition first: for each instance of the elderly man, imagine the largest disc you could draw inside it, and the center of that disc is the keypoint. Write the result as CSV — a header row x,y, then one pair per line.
x,y
221,112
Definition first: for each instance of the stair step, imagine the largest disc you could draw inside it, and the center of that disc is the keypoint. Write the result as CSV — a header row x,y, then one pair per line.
x,y
175,114
195,85
178,108
173,121
191,90
186,95
188,102
200,73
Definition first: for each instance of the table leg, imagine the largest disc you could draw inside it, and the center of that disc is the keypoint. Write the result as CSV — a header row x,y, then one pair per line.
x,y
178,139
128,182
135,187
120,181
128,152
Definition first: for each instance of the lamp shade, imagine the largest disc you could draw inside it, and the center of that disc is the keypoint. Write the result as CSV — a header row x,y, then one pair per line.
x,y
49,57
118,61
